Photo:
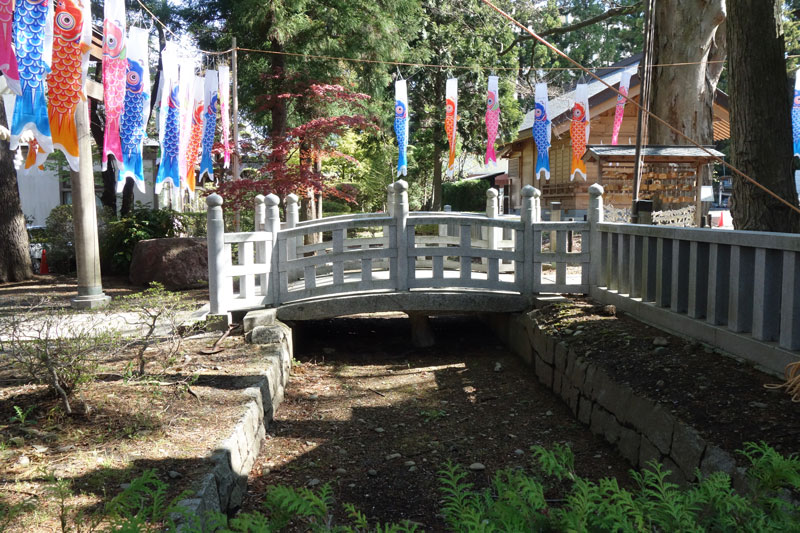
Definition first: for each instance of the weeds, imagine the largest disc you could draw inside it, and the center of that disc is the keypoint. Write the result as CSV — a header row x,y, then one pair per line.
x,y
21,415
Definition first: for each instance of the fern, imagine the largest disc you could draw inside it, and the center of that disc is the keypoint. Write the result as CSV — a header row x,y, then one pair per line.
x,y
558,462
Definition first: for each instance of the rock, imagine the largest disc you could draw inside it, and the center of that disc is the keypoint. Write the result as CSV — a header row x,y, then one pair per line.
x,y
340,471
608,310
313,396
660,383
19,442
124,486
38,448
659,350
412,469
174,475
178,263
379,430
477,467
23,460
313,482
68,447
549,413
393,456
519,452
372,472
758,405
409,463
660,341
498,367
266,335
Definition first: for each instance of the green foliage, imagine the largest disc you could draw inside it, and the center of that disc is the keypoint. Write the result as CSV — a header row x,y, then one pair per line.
x,y
158,314
467,195
121,235
56,348
60,236
21,415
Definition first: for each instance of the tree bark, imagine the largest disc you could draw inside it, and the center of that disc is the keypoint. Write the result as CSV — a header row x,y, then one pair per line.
x,y
686,31
15,259
127,198
761,129
279,112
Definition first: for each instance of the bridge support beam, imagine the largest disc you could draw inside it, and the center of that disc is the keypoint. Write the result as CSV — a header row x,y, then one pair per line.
x,y
421,332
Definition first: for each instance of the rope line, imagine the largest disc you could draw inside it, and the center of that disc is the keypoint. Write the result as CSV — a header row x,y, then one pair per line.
x,y
792,383
639,106
175,35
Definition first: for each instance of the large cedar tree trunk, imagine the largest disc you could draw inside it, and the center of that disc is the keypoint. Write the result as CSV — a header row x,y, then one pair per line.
x,y
686,31
15,259
761,129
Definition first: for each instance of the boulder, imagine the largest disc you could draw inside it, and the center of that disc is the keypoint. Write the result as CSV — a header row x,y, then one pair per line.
x,y
178,263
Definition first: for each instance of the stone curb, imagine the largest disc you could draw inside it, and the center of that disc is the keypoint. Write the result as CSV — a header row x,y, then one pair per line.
x,y
640,428
224,486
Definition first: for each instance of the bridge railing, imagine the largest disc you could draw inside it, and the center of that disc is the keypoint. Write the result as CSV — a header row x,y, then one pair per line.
x,y
393,251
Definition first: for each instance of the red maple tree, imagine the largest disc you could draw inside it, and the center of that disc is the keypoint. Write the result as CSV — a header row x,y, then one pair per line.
x,y
289,162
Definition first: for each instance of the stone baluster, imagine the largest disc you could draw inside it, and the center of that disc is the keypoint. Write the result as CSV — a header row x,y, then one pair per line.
x,y
292,205
493,234
272,226
389,210
259,219
215,230
401,217
444,228
537,205
527,214
595,239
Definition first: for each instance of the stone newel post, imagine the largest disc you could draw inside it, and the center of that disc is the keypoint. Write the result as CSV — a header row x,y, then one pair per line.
x,y
216,255
493,234
401,217
528,214
272,225
595,216
292,205
537,205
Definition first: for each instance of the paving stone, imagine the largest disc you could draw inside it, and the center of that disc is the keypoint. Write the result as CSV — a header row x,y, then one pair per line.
x,y
687,449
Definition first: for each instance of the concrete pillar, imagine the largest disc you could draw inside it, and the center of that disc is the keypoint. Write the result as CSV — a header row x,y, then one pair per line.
x,y
443,228
493,234
527,214
624,263
389,210
215,231
679,302
790,302
740,303
719,270
595,216
649,267
260,213
635,265
292,205
404,264
537,205
84,215
421,332
698,279
663,272
767,294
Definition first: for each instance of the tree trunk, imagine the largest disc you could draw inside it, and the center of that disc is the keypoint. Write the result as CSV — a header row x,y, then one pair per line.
x,y
761,129
15,259
684,96
279,111
109,196
127,198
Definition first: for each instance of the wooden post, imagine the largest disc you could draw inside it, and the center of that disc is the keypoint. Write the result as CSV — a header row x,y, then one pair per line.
x,y
235,169
84,213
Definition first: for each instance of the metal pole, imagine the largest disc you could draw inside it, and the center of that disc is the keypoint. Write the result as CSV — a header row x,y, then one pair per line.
x,y
84,214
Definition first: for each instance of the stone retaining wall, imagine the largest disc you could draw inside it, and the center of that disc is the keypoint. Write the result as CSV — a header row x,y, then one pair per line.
x,y
224,486
642,430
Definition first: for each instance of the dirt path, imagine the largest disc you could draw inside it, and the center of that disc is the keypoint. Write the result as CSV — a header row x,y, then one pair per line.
x,y
378,419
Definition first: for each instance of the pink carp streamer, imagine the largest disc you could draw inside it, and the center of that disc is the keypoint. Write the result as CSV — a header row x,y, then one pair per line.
x,y
622,99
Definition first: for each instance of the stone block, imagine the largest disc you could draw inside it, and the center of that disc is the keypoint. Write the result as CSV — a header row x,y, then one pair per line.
x,y
647,452
603,423
518,339
578,375
539,340
177,263
637,411
676,475
560,357
588,379
600,382
258,317
614,397
544,372
550,347
266,335
628,445
557,379
584,410
717,460
572,400
658,428
687,449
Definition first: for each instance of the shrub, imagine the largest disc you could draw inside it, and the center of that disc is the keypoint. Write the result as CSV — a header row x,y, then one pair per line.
x,y
159,313
120,238
466,195
57,348
60,236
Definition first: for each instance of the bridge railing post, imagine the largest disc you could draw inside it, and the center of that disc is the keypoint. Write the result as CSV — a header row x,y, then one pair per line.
x,y
443,228
527,214
215,231
404,263
493,234
292,205
389,209
259,218
595,239
272,226
537,205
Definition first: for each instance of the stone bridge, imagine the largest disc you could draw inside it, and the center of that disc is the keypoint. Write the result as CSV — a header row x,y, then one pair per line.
x,y
739,291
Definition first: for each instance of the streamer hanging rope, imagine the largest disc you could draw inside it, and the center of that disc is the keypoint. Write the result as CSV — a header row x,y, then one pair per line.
x,y
792,383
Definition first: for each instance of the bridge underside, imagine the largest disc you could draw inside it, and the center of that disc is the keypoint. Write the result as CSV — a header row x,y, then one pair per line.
x,y
430,302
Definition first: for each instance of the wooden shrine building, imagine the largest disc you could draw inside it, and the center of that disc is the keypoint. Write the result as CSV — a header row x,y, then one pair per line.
x,y
573,195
